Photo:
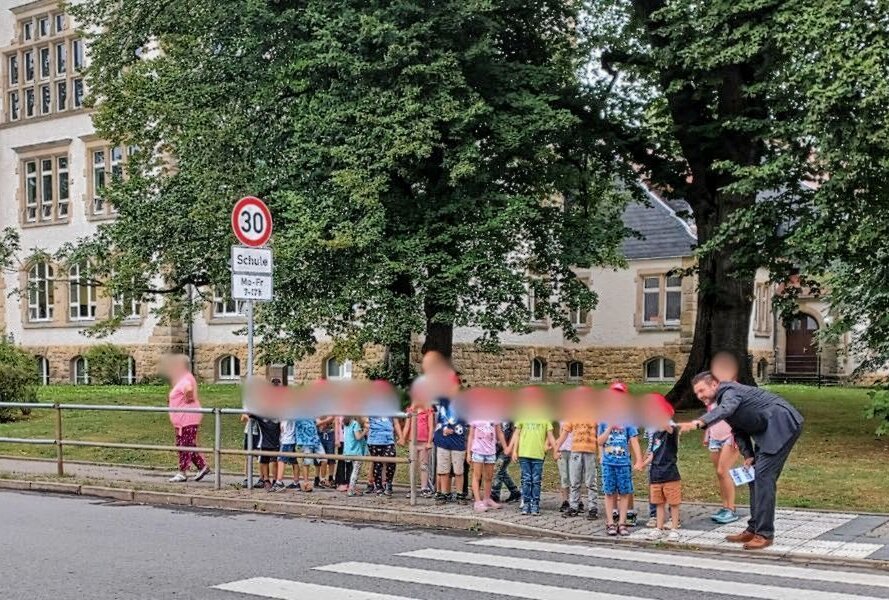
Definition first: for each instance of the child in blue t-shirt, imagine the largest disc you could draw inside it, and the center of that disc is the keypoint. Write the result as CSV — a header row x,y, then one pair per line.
x,y
354,444
617,442
308,442
381,434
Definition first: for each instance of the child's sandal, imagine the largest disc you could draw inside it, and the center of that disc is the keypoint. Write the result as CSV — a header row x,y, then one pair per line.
x,y
611,530
623,530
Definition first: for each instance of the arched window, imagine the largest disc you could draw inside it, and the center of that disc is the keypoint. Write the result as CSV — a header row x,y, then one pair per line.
x,y
40,292
43,370
762,369
660,369
333,369
128,375
82,295
575,370
79,371
228,368
538,369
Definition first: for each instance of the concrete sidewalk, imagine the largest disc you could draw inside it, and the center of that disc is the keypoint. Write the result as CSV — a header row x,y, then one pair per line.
x,y
802,534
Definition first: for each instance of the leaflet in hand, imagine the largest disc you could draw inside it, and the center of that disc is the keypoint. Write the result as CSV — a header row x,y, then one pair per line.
x,y
743,475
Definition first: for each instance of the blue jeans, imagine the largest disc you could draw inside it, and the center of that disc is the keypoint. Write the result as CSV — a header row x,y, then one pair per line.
x,y
501,477
532,474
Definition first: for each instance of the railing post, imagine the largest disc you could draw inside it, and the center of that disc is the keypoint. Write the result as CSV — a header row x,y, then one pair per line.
x,y
60,462
413,457
250,449
217,447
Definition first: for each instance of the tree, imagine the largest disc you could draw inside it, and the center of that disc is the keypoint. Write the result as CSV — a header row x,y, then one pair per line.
x,y
709,101
414,155
108,364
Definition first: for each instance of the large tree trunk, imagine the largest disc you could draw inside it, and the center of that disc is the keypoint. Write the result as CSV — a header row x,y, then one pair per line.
x,y
439,328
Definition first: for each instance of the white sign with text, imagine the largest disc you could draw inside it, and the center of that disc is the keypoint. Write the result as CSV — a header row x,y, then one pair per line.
x,y
251,261
251,287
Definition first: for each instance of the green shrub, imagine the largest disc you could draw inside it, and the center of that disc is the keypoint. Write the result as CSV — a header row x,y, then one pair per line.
x,y
879,409
107,364
18,377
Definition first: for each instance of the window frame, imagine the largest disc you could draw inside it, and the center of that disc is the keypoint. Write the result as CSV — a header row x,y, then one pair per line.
x,y
575,376
42,369
34,281
661,362
344,372
661,293
35,213
82,284
534,364
234,368
76,377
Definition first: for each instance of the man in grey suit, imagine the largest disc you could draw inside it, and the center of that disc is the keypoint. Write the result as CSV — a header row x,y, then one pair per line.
x,y
766,427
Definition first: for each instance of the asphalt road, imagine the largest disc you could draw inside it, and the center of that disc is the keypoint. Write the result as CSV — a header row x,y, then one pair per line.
x,y
63,547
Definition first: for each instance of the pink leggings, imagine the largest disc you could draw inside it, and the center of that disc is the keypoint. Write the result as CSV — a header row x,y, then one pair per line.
x,y
187,436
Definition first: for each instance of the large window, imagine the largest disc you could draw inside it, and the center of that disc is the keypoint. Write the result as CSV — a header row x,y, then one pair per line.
x,y
46,188
82,295
579,317
128,374
40,292
228,368
661,300
127,306
225,307
334,369
43,66
660,369
762,309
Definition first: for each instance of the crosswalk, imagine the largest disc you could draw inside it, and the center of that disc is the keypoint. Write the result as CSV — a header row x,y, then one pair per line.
x,y
540,570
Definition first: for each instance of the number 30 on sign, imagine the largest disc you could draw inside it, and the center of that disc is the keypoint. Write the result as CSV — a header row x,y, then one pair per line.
x,y
252,221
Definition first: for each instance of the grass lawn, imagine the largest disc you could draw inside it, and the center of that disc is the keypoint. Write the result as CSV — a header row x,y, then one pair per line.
x,y
837,464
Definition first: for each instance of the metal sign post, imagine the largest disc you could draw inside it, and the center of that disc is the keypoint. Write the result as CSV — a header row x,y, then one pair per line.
x,y
251,267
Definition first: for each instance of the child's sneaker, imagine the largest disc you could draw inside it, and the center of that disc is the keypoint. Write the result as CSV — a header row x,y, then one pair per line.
x,y
571,512
427,493
293,485
178,478
369,489
278,486
580,506
202,473
673,536
491,503
480,506
460,498
652,522
655,534
514,497
631,518
387,491
441,498
526,510
565,506
353,492
378,491
593,513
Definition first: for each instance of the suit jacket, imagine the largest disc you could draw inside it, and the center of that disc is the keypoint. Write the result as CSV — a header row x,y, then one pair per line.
x,y
756,416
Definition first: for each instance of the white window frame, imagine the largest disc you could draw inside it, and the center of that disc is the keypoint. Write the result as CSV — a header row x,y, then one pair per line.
x,y
230,363
43,369
225,307
77,281
578,376
538,364
342,372
98,172
80,375
62,204
41,292
129,376
676,290
661,363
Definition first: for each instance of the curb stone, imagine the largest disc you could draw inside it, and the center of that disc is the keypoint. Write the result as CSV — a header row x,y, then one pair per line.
x,y
388,516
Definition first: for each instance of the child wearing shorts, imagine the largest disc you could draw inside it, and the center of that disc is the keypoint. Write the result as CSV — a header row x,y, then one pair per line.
x,y
450,452
665,483
288,444
308,442
482,444
616,442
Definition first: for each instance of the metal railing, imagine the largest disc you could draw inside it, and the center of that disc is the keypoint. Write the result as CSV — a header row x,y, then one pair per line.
x,y
59,441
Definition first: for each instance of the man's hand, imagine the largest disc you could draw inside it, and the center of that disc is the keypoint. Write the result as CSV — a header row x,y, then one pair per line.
x,y
748,462
688,426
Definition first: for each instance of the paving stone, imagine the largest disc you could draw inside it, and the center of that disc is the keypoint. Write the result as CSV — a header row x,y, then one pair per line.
x,y
859,526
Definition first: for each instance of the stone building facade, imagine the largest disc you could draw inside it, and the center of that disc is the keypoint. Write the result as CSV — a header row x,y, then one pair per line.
x,y
54,165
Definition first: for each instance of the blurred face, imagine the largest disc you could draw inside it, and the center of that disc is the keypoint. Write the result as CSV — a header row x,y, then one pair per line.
x,y
724,368
173,368
706,391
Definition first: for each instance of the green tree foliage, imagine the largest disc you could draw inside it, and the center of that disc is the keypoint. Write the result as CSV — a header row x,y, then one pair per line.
x,y
18,376
414,155
768,117
108,364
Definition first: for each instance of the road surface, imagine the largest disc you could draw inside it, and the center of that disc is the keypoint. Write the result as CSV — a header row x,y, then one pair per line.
x,y
62,547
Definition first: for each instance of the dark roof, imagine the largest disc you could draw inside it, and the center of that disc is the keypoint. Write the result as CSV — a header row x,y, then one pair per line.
x,y
664,234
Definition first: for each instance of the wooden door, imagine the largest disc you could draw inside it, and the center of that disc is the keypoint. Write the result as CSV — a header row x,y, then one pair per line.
x,y
801,353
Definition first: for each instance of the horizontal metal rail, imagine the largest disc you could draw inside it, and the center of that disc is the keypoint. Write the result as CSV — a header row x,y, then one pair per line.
x,y
59,441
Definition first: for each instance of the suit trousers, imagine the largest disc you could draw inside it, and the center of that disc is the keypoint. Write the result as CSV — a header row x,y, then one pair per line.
x,y
763,489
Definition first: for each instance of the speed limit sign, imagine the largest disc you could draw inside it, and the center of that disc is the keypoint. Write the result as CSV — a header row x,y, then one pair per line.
x,y
252,221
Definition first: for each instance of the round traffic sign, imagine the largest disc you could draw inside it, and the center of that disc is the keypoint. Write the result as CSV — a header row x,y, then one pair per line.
x,y
252,221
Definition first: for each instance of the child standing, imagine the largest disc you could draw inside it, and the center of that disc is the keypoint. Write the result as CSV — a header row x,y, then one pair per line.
x,y
501,467
354,444
308,441
450,451
288,444
564,447
665,487
425,416
482,444
529,443
617,441
381,442
582,467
